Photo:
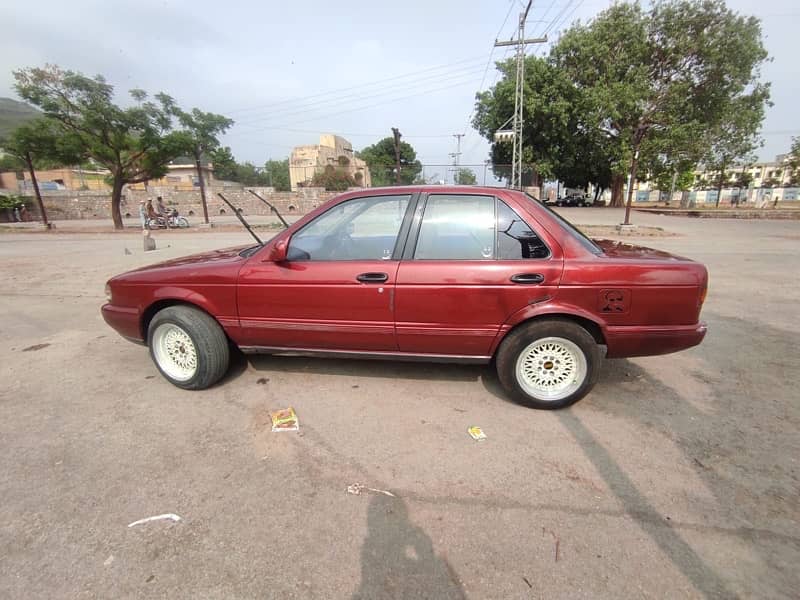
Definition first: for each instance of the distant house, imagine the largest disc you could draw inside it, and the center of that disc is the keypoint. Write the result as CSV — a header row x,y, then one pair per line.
x,y
776,173
333,150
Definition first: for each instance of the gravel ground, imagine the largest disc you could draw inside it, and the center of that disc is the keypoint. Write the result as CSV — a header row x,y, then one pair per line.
x,y
676,477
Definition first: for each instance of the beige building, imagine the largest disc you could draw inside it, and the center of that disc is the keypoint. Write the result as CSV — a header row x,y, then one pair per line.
x,y
776,173
180,175
333,150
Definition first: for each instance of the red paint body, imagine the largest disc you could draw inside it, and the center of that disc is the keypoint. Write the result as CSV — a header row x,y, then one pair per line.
x,y
637,301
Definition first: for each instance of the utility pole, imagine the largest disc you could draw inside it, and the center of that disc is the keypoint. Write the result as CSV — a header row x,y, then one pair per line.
x,y
397,136
516,128
456,155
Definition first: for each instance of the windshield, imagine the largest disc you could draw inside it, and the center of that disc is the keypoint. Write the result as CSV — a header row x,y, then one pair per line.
x,y
576,233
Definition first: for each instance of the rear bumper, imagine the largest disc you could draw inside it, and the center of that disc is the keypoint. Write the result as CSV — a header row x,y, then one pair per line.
x,y
123,320
649,341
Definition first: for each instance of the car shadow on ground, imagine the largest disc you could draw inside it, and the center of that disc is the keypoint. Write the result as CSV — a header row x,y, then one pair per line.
x,y
721,442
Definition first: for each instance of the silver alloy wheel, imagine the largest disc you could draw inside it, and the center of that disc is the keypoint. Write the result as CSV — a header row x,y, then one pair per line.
x,y
174,352
551,368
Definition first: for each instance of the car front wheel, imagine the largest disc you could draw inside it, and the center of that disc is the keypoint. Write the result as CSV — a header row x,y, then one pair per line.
x,y
188,346
548,364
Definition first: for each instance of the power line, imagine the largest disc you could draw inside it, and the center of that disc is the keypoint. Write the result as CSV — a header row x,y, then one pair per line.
x,y
349,133
389,101
567,16
412,74
488,62
347,99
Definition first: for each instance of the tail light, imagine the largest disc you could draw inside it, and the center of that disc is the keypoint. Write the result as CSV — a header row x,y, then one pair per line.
x,y
702,298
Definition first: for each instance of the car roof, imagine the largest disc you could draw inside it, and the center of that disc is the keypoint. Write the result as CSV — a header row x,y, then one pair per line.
x,y
429,189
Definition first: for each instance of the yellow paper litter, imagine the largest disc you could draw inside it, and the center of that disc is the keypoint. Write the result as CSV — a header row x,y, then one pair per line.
x,y
476,433
284,420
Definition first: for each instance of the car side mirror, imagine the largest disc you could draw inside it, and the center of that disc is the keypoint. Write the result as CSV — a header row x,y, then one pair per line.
x,y
278,251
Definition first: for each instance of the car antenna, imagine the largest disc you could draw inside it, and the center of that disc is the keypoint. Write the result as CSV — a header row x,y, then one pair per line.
x,y
272,208
241,218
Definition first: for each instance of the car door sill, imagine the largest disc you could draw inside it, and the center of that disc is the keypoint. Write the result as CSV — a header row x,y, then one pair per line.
x,y
367,355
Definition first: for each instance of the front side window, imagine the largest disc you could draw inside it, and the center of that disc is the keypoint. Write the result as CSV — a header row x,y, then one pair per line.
x,y
359,229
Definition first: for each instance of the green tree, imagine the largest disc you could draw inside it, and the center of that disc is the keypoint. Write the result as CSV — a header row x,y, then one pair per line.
x,y
248,174
560,138
380,159
277,173
135,144
734,139
200,137
41,143
333,179
465,177
223,163
673,71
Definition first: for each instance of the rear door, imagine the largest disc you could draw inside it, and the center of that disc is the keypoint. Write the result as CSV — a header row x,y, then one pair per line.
x,y
470,262
335,290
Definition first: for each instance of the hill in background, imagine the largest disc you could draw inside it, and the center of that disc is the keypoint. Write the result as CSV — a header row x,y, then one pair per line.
x,y
13,114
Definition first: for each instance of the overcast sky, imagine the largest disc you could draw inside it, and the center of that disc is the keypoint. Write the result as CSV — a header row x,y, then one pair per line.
x,y
286,71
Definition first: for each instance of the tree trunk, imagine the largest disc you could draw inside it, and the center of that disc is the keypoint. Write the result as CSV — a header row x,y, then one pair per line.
x,y
116,201
36,191
632,181
202,186
617,183
720,181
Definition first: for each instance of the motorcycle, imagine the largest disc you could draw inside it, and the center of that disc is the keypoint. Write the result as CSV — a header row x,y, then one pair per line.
x,y
171,221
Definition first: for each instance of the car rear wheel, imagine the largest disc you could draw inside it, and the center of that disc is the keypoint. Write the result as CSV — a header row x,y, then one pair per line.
x,y
548,364
188,347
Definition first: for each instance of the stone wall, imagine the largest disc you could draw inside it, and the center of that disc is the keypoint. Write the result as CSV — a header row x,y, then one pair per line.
x,y
66,205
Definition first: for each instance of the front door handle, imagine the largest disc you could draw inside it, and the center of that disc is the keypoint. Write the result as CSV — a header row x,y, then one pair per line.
x,y
373,277
528,278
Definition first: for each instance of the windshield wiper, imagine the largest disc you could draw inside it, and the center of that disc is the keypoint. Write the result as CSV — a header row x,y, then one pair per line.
x,y
272,208
241,218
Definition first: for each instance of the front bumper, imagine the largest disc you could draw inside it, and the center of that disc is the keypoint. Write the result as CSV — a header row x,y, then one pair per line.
x,y
124,320
624,342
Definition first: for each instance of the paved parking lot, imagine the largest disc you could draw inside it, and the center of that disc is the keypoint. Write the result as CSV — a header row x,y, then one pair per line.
x,y
676,477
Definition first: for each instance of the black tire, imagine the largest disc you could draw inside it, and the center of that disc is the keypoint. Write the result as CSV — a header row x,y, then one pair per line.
x,y
523,336
210,345
559,203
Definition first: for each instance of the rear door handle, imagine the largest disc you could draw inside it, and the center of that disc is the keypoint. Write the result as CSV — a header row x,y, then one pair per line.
x,y
527,278
373,277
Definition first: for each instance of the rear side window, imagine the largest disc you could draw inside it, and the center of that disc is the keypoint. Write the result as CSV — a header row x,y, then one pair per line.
x,y
515,238
467,227
459,227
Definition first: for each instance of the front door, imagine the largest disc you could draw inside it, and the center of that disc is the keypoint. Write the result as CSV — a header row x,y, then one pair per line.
x,y
335,290
471,261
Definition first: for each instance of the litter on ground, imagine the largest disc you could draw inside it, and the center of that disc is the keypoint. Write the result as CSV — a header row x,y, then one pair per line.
x,y
164,517
284,420
476,433
357,488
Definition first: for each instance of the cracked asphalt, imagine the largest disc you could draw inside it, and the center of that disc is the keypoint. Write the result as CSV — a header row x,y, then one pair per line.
x,y
676,477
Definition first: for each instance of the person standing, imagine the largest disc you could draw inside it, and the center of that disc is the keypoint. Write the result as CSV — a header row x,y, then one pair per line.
x,y
162,210
17,217
143,214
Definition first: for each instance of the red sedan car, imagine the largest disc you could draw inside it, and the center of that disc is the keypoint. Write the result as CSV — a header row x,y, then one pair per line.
x,y
449,274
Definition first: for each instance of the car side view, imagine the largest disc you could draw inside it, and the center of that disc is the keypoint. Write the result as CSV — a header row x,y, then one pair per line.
x,y
432,273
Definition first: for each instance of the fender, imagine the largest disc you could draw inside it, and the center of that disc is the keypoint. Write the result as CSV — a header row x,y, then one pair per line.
x,y
548,307
220,304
